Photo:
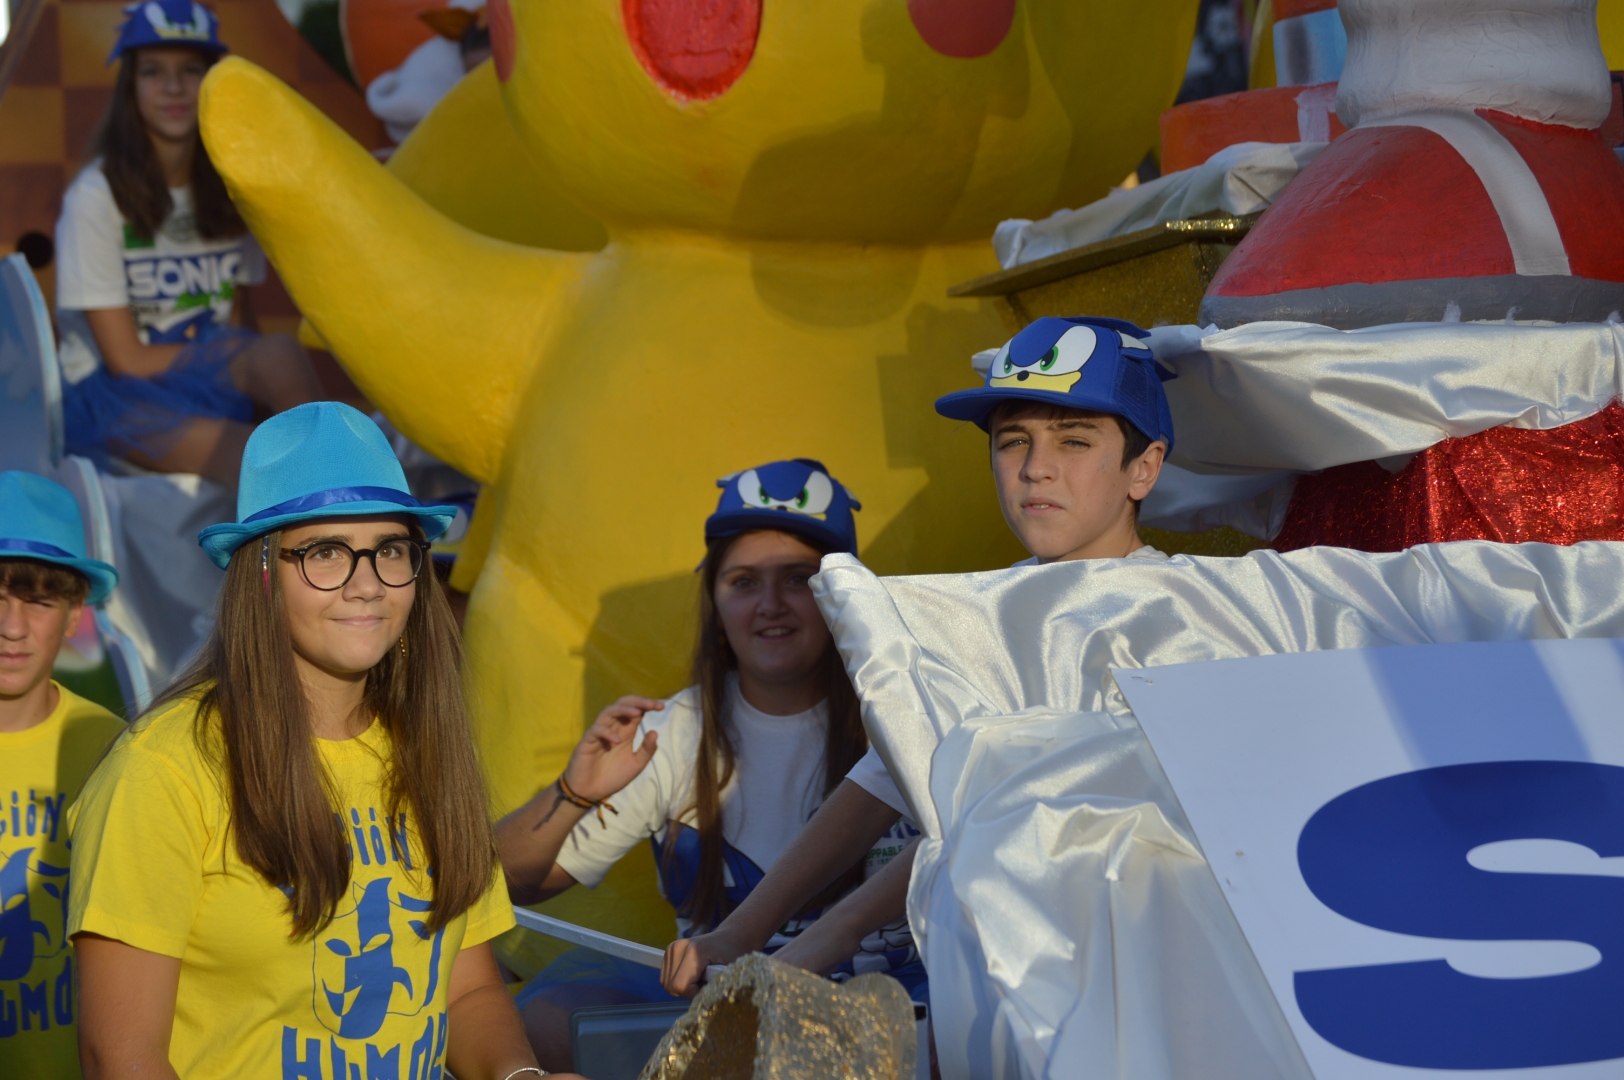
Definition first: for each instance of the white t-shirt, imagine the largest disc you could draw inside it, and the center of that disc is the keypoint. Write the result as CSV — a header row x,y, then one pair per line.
x,y
777,786
176,284
870,772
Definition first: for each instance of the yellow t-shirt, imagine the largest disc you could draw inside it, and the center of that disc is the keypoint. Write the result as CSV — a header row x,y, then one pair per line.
x,y
41,770
154,867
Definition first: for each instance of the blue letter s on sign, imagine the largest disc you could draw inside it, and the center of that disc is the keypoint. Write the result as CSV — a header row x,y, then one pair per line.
x,y
1392,854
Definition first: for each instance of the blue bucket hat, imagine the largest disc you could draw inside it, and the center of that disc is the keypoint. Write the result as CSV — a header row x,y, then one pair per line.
x,y
797,496
41,521
319,460
168,22
1101,365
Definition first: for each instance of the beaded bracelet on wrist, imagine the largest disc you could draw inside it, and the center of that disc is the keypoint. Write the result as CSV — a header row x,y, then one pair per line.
x,y
600,805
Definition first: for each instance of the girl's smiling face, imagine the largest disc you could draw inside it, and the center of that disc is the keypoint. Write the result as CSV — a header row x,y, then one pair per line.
x,y
346,631
167,80
764,600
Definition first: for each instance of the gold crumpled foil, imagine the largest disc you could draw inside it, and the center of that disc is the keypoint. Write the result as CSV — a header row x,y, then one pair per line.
x,y
765,1020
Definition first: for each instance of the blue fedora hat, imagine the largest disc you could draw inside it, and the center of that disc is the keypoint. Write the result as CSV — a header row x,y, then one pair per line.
x,y
39,520
1099,365
797,496
168,22
319,460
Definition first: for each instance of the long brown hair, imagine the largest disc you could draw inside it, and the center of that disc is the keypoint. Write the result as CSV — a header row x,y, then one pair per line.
x,y
137,180
844,743
253,721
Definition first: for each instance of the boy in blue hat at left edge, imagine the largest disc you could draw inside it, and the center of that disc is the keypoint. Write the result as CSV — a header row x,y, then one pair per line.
x,y
50,738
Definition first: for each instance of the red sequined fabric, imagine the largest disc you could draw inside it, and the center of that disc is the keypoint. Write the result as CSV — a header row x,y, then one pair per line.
x,y
1507,484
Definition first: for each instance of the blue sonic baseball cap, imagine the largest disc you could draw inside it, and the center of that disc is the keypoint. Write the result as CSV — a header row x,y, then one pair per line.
x,y
41,521
1101,365
168,22
796,496
319,460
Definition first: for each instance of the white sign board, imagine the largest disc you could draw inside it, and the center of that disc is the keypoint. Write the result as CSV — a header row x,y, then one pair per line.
x,y
1424,846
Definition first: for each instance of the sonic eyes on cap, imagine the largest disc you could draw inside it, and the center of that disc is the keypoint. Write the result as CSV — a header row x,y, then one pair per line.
x,y
800,500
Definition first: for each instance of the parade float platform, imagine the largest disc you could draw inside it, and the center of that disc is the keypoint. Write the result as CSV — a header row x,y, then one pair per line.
x,y
1151,276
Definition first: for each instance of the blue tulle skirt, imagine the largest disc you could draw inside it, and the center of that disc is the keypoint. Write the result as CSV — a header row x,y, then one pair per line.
x,y
107,416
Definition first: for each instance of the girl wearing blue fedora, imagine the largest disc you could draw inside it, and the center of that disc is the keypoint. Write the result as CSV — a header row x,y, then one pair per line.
x,y
152,265
286,867
721,777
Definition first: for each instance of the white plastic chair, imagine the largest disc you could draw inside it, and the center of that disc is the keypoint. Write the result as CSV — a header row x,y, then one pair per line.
x,y
145,525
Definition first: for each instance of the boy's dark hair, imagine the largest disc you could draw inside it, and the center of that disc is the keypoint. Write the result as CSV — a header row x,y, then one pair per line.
x,y
31,579
1134,441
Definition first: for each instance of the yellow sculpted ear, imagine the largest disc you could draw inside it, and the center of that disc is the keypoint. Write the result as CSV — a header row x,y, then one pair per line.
x,y
439,326
466,160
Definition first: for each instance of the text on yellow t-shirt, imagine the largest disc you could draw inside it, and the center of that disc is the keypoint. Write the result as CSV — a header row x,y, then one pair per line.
x,y
41,770
365,999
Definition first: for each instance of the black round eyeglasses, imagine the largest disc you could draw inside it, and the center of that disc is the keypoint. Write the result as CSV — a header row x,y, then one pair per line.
x,y
329,564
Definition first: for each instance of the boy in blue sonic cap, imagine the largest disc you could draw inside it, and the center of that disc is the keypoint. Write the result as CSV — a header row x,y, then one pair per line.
x,y
1078,426
49,740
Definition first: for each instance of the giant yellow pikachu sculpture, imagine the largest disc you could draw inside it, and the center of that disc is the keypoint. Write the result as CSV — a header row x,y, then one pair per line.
x,y
788,188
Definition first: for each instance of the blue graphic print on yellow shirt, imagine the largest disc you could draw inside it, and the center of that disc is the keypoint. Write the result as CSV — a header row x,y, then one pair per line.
x,y
363,971
20,875
41,768
30,934
363,998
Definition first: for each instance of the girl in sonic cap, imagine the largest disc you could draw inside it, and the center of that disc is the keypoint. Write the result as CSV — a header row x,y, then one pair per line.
x,y
285,868
721,777
152,263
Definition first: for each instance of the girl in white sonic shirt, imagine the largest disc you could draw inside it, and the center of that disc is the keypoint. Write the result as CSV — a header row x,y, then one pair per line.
x,y
721,777
152,260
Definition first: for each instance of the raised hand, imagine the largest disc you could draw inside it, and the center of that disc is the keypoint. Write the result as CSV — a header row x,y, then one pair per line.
x,y
605,760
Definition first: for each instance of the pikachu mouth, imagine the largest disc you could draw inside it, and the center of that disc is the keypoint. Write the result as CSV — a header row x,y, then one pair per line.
x,y
690,57
1031,380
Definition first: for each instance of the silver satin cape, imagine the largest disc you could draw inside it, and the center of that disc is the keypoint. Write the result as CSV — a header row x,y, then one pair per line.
x,y
1257,405
1068,919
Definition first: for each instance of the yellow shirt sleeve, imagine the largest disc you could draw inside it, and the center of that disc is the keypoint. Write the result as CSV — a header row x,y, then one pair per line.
x,y
87,731
491,915
140,833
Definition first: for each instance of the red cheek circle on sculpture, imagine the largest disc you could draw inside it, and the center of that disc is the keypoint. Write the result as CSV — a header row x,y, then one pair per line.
x,y
694,49
501,23
962,29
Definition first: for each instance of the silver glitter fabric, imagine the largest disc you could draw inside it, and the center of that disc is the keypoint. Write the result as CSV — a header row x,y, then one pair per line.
x,y
764,1020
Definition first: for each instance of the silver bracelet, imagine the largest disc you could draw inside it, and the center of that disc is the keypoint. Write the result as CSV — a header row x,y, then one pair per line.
x,y
528,1068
